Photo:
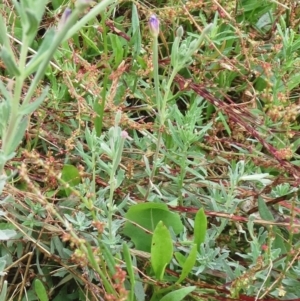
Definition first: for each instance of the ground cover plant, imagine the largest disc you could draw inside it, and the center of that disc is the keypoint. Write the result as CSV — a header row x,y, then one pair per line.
x,y
149,150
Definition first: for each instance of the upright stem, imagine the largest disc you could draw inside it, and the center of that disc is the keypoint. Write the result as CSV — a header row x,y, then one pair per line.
x,y
161,108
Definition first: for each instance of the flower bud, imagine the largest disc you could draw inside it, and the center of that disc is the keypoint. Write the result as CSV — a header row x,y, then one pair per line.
x,y
154,25
64,18
179,32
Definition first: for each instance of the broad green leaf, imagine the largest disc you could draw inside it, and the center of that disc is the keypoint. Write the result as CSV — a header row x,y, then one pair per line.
x,y
200,227
71,176
180,258
161,250
147,215
188,264
40,290
178,295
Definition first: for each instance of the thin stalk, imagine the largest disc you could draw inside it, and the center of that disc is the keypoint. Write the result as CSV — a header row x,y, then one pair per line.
x,y
14,119
99,107
161,106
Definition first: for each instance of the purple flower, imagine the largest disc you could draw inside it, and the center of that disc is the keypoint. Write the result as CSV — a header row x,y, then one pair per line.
x,y
154,25
65,16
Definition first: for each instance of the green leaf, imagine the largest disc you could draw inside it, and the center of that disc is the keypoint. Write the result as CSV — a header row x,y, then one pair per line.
x,y
161,250
264,211
4,92
33,23
71,176
3,291
4,115
40,290
266,214
28,108
7,234
188,264
117,47
136,33
9,62
200,228
180,258
147,215
18,136
35,62
4,40
179,294
130,271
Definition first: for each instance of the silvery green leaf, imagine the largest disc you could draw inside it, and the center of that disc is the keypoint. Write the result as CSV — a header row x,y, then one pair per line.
x,y
3,34
4,115
33,23
7,199
39,8
18,136
174,53
7,234
2,182
4,91
136,33
4,287
9,62
27,109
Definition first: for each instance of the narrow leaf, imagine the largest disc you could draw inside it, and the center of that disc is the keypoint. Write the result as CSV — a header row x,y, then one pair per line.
x,y
188,264
18,135
3,291
35,62
4,91
3,35
28,108
40,290
33,23
264,211
136,33
266,214
130,271
161,250
9,62
200,228
179,294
